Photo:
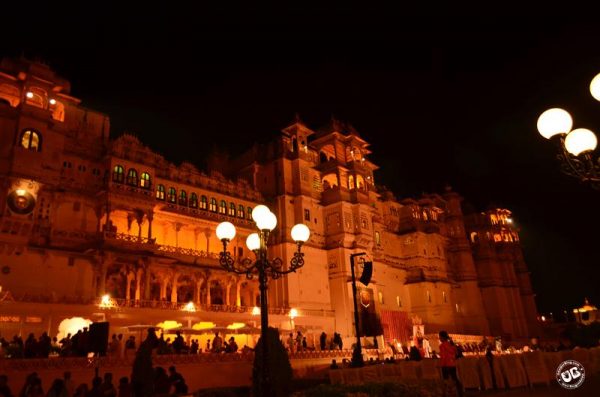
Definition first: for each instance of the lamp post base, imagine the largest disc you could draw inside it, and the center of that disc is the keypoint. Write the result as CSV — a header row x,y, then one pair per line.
x,y
357,358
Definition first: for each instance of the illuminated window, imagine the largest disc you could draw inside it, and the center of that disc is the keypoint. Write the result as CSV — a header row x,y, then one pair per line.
x,y
213,204
351,182
377,238
182,197
249,213
172,197
132,177
380,294
398,301
118,174
231,209
223,207
160,192
457,308
241,212
307,215
31,140
194,200
444,296
203,202
474,237
145,180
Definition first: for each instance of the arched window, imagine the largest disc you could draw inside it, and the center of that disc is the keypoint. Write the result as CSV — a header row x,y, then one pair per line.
x,y
249,213
160,192
377,238
118,174
145,180
351,182
231,209
31,140
182,197
194,200
241,212
204,202
213,204
323,157
172,197
223,207
132,177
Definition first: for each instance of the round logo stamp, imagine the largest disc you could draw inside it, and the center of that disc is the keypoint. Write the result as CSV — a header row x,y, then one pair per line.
x,y
570,374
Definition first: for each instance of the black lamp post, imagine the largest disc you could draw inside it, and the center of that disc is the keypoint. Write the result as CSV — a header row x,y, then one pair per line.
x,y
576,146
262,267
357,358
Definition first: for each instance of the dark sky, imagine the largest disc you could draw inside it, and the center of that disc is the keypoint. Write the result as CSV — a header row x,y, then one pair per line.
x,y
443,99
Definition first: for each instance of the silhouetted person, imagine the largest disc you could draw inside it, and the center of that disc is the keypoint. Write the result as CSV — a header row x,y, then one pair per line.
x,y
4,388
124,387
108,389
177,381
162,385
323,340
57,389
142,373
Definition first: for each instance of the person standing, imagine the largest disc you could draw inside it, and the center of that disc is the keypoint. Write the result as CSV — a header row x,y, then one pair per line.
x,y
323,340
290,343
448,360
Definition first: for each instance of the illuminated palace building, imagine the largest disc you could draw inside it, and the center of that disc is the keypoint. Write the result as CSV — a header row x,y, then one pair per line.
x,y
109,230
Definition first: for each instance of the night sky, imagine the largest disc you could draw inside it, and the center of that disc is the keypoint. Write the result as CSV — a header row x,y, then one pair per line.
x,y
442,99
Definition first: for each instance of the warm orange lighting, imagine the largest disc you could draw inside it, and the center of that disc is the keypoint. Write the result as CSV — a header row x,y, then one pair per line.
x,y
189,307
21,192
29,95
293,313
256,311
236,326
204,325
106,301
543,318
169,324
52,101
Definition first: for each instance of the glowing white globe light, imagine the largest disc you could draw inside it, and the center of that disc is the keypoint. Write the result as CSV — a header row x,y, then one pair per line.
x,y
554,121
595,87
300,233
226,231
580,140
293,313
259,212
267,222
253,242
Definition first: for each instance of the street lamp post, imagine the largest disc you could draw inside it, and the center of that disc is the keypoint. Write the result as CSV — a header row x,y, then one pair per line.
x,y
576,146
357,358
262,267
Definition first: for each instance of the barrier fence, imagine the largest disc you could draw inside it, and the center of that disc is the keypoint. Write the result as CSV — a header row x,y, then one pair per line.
x,y
477,372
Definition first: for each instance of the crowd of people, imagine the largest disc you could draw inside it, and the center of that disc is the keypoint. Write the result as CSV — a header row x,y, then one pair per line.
x,y
165,384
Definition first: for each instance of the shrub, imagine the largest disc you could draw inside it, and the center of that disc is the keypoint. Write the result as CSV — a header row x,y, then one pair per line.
x,y
280,369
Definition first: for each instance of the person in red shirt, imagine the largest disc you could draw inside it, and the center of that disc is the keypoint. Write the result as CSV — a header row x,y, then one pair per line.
x,y
448,360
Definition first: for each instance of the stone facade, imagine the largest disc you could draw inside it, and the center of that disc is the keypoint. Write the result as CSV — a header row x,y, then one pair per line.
x,y
84,215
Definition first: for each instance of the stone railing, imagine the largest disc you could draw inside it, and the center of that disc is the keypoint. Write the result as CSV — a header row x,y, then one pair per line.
x,y
65,363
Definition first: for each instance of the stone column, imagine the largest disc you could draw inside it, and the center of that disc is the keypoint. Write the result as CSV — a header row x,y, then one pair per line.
x,y
147,280
238,299
174,288
177,227
138,284
197,291
228,290
208,291
163,287
129,277
150,216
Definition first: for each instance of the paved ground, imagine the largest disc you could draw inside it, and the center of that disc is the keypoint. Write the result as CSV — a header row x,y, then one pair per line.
x,y
590,388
